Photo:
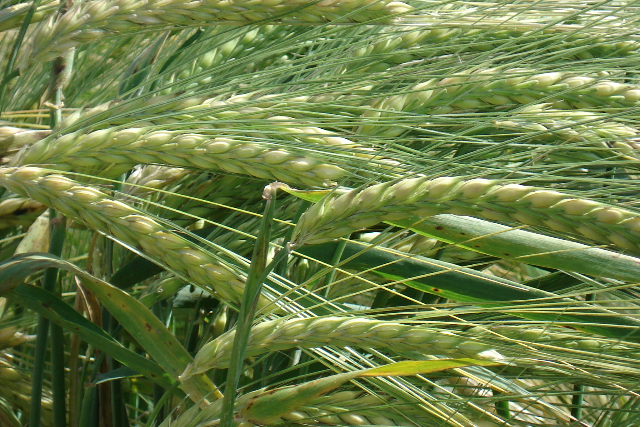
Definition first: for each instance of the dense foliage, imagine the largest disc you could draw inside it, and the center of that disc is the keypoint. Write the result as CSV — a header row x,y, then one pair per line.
x,y
201,201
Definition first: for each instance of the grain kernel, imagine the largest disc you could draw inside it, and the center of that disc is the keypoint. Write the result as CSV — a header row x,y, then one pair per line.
x,y
142,224
544,198
56,183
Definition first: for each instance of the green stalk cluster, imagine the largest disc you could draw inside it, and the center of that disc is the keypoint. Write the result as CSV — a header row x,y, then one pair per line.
x,y
419,198
90,21
125,148
479,89
282,334
129,226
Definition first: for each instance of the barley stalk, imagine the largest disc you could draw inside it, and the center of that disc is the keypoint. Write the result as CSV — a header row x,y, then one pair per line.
x,y
337,331
90,21
129,226
422,197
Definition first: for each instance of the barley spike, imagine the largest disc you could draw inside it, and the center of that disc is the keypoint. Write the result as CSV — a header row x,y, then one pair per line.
x,y
128,225
421,198
125,148
338,331
92,20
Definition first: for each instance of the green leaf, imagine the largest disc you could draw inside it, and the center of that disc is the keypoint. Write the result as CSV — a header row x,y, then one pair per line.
x,y
466,285
524,246
53,308
141,323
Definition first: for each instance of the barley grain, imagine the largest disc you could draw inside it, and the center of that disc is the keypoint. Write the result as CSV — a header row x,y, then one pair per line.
x,y
479,89
90,21
422,197
130,226
338,331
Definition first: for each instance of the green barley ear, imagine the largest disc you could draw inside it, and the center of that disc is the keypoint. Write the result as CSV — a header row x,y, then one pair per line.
x,y
15,383
282,334
129,226
114,152
87,22
420,198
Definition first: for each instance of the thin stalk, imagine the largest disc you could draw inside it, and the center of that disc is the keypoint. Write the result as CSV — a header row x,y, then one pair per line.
x,y
288,234
74,378
258,270
338,254
59,76
119,413
577,398
42,332
502,407
161,402
57,354
9,72
87,406
158,392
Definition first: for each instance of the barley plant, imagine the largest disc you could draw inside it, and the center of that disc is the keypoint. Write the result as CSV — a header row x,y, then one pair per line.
x,y
319,213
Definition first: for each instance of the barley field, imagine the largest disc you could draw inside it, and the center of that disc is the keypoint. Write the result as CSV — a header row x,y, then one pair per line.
x,y
319,213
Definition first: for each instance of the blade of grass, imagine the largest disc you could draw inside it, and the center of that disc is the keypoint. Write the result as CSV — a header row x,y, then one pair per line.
x,y
47,304
524,246
258,270
49,282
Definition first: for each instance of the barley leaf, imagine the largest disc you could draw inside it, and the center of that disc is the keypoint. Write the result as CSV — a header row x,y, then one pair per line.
x,y
467,285
48,305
